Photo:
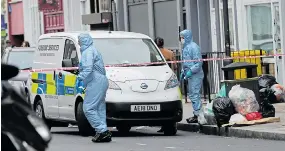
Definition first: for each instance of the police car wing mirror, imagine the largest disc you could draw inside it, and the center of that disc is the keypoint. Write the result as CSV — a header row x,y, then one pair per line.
x,y
66,63
8,71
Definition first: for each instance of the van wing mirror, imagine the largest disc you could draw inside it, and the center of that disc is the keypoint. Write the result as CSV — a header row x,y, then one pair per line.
x,y
66,63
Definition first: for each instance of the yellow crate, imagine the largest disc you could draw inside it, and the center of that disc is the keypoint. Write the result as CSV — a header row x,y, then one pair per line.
x,y
241,74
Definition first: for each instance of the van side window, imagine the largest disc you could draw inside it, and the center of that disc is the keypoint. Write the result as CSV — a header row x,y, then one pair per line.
x,y
70,52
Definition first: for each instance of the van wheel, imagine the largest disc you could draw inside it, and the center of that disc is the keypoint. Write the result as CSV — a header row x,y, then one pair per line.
x,y
39,109
170,129
84,127
123,128
28,98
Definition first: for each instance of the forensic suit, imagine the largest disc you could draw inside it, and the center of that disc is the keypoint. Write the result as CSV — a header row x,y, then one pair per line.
x,y
192,71
92,73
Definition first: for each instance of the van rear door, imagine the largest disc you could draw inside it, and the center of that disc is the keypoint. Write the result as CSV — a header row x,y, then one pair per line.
x,y
45,83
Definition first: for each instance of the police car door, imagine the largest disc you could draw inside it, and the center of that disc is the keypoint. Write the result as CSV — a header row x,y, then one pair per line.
x,y
68,79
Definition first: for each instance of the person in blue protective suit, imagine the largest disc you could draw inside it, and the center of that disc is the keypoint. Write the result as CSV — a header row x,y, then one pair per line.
x,y
192,72
92,73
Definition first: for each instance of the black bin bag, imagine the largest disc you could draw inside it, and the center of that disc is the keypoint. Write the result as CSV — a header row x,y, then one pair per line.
x,y
223,109
266,108
265,81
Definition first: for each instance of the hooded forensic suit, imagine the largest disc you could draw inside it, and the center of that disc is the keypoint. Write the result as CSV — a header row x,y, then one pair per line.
x,y
192,70
92,73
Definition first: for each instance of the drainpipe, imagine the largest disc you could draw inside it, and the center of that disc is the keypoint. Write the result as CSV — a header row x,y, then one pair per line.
x,y
218,27
126,15
226,28
282,28
151,19
227,32
114,15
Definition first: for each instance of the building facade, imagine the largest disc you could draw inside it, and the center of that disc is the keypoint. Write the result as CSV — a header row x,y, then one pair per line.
x,y
4,23
254,24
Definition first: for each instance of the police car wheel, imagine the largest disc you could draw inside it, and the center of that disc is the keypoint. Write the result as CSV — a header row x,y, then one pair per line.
x,y
84,127
123,128
170,129
39,109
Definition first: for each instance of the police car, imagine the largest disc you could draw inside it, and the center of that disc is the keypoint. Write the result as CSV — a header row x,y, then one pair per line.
x,y
138,95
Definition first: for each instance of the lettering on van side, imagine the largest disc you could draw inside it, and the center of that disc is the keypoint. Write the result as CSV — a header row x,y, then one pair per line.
x,y
47,54
51,97
48,48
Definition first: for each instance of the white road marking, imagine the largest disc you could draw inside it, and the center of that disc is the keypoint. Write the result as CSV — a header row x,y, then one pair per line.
x,y
140,144
170,147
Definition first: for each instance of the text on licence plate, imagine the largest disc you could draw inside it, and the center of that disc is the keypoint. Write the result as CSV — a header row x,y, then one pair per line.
x,y
145,108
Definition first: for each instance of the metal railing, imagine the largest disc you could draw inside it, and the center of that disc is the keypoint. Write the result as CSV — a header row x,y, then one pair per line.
x,y
213,73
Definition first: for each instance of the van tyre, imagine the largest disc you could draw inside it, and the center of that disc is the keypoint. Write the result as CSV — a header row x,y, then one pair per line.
x,y
170,129
39,109
123,128
27,95
84,127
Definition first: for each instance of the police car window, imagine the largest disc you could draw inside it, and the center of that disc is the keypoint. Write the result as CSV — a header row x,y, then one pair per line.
x,y
71,53
66,48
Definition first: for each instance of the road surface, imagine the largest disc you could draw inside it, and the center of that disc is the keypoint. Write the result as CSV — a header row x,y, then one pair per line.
x,y
147,139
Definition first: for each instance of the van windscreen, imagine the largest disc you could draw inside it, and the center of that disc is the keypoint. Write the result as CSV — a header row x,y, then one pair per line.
x,y
127,51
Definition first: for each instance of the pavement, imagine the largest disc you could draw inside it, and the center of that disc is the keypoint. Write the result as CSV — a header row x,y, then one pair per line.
x,y
147,139
271,131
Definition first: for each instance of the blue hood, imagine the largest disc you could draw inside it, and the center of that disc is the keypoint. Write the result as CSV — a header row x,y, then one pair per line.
x,y
188,37
85,41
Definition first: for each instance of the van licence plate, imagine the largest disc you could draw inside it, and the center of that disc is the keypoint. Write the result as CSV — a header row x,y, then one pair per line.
x,y
145,108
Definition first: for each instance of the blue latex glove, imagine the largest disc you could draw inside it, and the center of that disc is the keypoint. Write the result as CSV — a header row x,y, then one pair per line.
x,y
181,75
79,86
188,75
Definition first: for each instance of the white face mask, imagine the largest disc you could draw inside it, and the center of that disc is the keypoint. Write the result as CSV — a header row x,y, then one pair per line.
x,y
182,41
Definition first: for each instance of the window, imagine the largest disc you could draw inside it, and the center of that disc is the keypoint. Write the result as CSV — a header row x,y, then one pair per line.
x,y
184,21
127,51
70,52
231,23
260,26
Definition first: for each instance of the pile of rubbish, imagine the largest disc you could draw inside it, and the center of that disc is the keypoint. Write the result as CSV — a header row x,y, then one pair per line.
x,y
241,105
268,85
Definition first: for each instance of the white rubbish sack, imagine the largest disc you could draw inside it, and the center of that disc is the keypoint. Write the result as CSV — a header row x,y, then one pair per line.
x,y
209,114
243,99
201,118
236,118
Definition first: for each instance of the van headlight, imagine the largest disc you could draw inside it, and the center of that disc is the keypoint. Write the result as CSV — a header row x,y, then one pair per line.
x,y
172,82
113,85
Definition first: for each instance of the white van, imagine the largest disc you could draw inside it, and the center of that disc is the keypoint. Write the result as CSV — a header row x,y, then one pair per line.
x,y
142,95
21,57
